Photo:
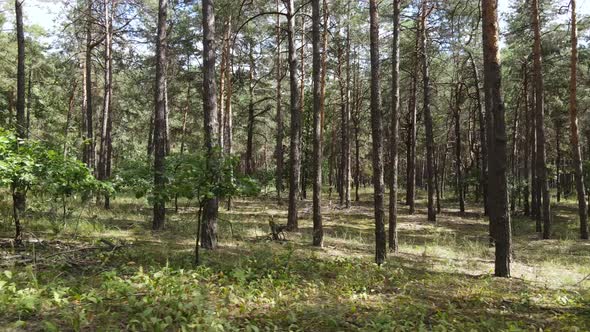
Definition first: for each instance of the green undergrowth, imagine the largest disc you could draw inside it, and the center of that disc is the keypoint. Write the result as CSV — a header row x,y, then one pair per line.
x,y
440,281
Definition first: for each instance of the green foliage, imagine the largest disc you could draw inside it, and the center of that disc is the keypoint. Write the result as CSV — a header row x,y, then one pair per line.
x,y
193,176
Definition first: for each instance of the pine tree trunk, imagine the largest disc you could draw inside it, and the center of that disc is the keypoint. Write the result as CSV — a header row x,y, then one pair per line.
x,y
393,184
412,107
160,118
295,148
496,126
318,231
279,115
210,211
540,115
88,156
527,143
427,116
574,135
18,190
377,135
106,123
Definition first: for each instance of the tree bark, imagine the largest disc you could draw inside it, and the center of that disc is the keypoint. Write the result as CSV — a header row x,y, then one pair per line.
x,y
18,192
88,156
496,125
412,107
318,231
210,212
393,242
106,123
295,148
279,115
427,116
540,115
377,135
483,179
574,135
160,119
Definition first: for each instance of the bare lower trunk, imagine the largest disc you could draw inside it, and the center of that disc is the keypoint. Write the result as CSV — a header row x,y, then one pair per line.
x,y
318,231
540,108
393,242
377,135
574,135
159,120
292,219
210,210
427,116
498,184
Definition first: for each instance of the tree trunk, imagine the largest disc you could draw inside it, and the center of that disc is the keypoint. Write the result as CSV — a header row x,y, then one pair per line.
x,y
279,115
483,179
574,135
250,123
413,109
458,164
540,108
496,126
88,156
393,242
106,123
427,116
160,119
318,231
209,224
295,148
18,190
377,135
527,140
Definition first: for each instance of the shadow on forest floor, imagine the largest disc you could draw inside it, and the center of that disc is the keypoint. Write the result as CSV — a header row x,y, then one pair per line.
x,y
112,272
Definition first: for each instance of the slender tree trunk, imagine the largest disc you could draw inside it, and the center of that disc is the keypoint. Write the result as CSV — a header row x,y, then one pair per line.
x,y
106,123
558,133
279,115
250,123
18,192
89,138
458,149
540,108
498,184
413,109
393,242
210,212
71,105
377,135
29,102
427,115
318,231
346,120
160,118
574,135
483,180
292,223
527,184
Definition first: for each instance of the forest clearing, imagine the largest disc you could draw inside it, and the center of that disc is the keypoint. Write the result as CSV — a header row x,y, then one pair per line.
x,y
294,165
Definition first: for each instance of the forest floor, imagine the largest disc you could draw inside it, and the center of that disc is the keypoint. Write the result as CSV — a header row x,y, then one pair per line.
x,y
107,271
